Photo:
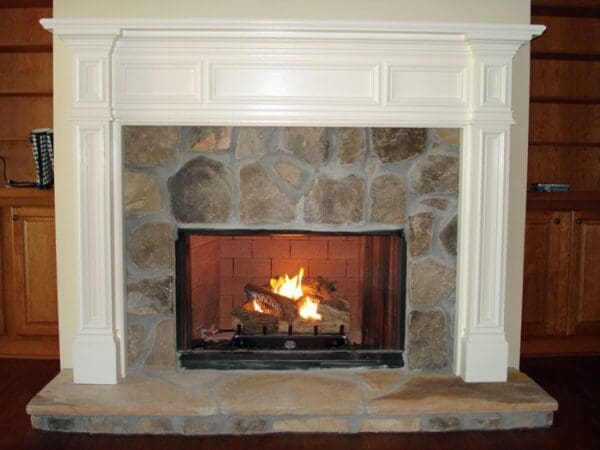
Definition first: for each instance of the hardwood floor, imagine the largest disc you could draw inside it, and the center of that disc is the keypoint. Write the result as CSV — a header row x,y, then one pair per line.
x,y
574,382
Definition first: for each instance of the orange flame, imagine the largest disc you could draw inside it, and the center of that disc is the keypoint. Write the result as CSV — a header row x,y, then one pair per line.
x,y
257,307
292,288
288,287
308,309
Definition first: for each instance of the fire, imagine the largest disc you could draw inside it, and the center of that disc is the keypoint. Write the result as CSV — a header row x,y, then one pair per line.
x,y
257,307
288,287
308,309
292,288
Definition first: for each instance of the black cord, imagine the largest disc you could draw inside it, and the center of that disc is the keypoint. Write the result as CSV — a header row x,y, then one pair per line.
x,y
13,183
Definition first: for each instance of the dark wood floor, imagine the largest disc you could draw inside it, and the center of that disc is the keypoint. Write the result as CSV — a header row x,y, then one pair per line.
x,y
574,382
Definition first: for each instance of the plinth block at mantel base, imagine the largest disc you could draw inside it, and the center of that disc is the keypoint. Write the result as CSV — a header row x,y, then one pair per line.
x,y
243,402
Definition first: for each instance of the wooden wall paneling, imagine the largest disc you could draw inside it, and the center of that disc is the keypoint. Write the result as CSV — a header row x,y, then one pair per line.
x,y
19,115
545,287
565,81
553,123
567,35
20,160
34,251
574,165
591,4
26,73
584,318
25,4
21,27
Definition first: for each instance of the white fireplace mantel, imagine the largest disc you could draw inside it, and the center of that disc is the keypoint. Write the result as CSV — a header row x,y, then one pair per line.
x,y
325,73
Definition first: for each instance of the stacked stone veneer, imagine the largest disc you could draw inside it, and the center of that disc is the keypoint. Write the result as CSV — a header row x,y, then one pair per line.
x,y
329,179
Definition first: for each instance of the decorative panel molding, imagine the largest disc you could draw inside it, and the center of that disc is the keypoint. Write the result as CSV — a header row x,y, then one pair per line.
x,y
294,73
495,85
427,85
309,82
90,79
159,81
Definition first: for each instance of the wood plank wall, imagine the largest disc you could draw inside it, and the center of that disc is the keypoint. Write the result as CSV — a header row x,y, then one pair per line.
x,y
25,81
564,134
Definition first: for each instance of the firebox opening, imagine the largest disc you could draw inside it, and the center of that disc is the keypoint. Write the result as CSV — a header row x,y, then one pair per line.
x,y
277,299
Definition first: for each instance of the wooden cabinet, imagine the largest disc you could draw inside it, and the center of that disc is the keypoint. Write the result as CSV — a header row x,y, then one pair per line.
x,y
584,296
28,299
545,284
561,286
561,291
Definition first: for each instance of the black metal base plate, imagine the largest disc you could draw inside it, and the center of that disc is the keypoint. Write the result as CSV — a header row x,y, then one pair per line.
x,y
289,342
296,359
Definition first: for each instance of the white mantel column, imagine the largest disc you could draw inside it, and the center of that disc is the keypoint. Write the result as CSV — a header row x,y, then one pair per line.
x,y
96,350
484,178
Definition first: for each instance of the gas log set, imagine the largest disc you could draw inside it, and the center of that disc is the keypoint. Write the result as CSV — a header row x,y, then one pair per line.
x,y
295,302
289,313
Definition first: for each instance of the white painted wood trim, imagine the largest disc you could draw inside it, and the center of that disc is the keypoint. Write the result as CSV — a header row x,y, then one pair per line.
x,y
96,348
286,73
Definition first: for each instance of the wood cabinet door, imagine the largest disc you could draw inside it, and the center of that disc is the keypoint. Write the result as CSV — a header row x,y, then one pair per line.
x,y
545,284
584,302
34,272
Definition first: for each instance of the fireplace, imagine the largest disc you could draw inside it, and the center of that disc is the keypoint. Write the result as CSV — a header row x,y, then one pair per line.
x,y
285,300
197,73
256,138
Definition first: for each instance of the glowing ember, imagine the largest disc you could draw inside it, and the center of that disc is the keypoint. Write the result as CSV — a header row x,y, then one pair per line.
x,y
257,307
288,287
308,309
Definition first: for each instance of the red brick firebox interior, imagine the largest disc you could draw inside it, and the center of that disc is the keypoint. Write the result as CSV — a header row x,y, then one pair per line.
x,y
220,267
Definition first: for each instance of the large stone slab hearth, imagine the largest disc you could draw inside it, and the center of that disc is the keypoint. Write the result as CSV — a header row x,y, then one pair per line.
x,y
334,401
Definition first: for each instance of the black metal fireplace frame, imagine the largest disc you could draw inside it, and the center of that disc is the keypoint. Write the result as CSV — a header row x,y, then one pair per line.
x,y
230,359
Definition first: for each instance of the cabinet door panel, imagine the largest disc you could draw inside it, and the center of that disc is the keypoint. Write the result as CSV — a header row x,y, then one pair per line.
x,y
35,270
545,281
584,305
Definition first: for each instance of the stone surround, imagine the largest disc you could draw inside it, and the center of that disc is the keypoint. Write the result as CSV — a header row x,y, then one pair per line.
x,y
327,179
245,402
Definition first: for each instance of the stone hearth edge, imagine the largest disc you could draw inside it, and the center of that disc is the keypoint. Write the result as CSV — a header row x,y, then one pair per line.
x,y
331,401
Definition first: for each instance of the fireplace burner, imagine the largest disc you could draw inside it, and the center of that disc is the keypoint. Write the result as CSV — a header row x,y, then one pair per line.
x,y
284,300
279,341
290,342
